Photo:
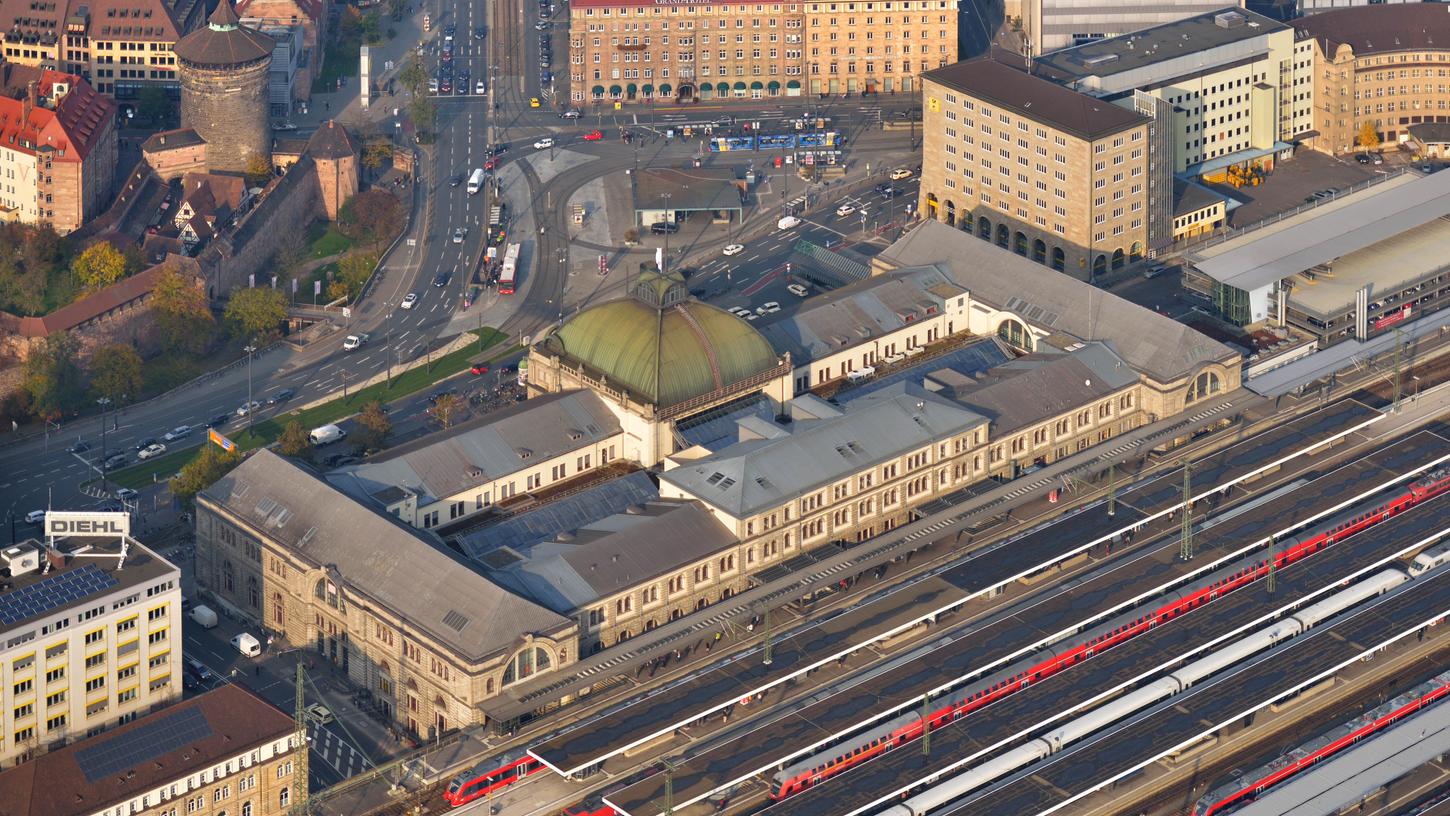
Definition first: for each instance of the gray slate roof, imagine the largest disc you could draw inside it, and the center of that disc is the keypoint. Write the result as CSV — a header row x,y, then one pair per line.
x,y
378,557
569,572
559,516
1038,387
787,461
1151,343
483,449
867,309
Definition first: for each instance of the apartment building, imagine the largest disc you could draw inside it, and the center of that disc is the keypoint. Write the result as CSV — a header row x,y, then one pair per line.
x,y
1239,86
58,148
119,46
227,751
90,641
400,615
636,51
1383,65
1074,182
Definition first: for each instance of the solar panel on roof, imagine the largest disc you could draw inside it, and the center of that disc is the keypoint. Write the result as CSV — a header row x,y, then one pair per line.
x,y
54,592
166,733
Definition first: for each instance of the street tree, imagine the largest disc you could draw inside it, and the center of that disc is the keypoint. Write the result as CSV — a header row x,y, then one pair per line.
x,y
424,113
448,410
256,312
116,373
377,152
209,464
181,311
353,270
372,217
294,441
52,376
414,77
374,423
100,265
1368,137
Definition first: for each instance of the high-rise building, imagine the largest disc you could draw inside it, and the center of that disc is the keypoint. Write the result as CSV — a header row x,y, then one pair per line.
x,y
87,644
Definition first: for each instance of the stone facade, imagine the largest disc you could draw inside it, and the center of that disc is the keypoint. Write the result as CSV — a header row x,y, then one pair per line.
x,y
227,107
337,181
175,153
291,203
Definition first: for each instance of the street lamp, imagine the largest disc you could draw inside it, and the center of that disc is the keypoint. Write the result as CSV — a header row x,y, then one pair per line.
x,y
249,349
104,402
668,220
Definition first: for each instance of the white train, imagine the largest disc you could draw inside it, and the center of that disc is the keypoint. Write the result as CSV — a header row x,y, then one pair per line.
x,y
1054,741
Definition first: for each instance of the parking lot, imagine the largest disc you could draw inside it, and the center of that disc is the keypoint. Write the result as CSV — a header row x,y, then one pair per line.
x,y
1296,179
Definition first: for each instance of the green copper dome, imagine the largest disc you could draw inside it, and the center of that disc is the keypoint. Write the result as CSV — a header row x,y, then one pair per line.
x,y
660,346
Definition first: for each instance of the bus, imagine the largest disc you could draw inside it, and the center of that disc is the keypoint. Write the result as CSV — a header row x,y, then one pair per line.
x,y
508,277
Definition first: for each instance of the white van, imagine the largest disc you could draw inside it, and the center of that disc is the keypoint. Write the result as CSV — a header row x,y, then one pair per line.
x,y
788,222
475,182
203,616
247,644
326,435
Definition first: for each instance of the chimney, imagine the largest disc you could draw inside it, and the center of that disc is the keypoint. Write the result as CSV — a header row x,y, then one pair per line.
x,y
32,93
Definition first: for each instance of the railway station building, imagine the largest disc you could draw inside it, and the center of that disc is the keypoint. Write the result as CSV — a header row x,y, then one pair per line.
x,y
227,751
420,628
1350,268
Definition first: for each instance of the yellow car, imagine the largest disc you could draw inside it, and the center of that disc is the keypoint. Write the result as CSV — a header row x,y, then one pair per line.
x,y
533,101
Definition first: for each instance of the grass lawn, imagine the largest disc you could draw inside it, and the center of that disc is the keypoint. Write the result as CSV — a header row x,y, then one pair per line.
x,y
304,287
325,240
339,60
268,430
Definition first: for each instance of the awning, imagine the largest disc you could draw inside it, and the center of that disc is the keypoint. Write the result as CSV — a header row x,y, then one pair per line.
x,y
773,85
739,86
755,86
648,89
598,90
723,87
793,84
614,90
631,89
665,90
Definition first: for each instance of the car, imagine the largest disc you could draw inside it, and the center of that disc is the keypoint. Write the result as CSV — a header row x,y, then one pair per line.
x,y
126,494
35,516
845,209
478,32
770,307
490,163
900,173
199,670
281,396
219,420
788,222
115,460
248,407
734,249
593,136
544,143
499,149
571,113
353,342
409,299
664,228
546,77
751,316
545,62
478,369
461,89
1362,158
79,447
1378,159
437,395
449,30
797,290
1154,270
283,126
145,442
739,311
543,25
179,432
151,451
442,278
534,102
724,121
459,233
446,86
479,88
433,85
456,180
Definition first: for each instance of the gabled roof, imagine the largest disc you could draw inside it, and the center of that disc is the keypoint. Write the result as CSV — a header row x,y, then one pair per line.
x,y
206,730
92,306
70,128
312,9
1151,343
223,191
378,557
1032,389
822,445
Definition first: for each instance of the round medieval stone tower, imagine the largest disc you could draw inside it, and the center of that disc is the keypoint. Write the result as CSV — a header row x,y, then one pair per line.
x,y
223,70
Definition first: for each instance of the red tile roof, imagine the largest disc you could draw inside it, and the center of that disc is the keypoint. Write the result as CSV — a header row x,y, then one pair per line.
x,y
90,307
313,9
70,130
56,784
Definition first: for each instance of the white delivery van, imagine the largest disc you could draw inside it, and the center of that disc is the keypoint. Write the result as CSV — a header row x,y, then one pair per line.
x,y
203,616
788,222
326,435
475,182
247,644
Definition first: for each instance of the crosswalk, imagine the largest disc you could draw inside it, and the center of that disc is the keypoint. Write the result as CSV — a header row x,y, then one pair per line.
x,y
340,756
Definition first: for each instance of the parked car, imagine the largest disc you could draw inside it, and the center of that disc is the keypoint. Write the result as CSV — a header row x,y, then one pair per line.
x,y
542,25
179,432
770,307
151,451
664,228
1362,158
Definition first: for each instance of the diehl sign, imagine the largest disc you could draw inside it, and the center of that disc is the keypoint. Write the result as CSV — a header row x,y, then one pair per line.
x,y
63,524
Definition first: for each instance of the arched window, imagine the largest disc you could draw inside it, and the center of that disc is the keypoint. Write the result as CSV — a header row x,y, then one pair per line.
x,y
228,577
326,591
528,662
984,228
254,593
1118,258
1204,385
1015,334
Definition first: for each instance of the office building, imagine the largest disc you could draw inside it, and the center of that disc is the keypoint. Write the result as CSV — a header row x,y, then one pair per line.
x,y
1048,25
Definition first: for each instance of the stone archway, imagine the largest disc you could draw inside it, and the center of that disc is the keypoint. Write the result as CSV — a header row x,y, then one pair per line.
x,y
1019,243
1039,251
1059,259
1003,235
951,213
931,205
1118,258
984,228
1100,265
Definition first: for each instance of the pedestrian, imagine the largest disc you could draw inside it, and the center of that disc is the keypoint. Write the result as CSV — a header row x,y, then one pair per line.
x,y
258,672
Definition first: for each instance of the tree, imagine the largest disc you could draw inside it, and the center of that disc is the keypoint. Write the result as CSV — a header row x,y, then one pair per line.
x,y
209,464
100,265
153,104
377,153
256,312
294,441
182,314
116,373
52,377
414,77
1368,137
292,252
371,217
258,169
447,409
374,424
424,112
